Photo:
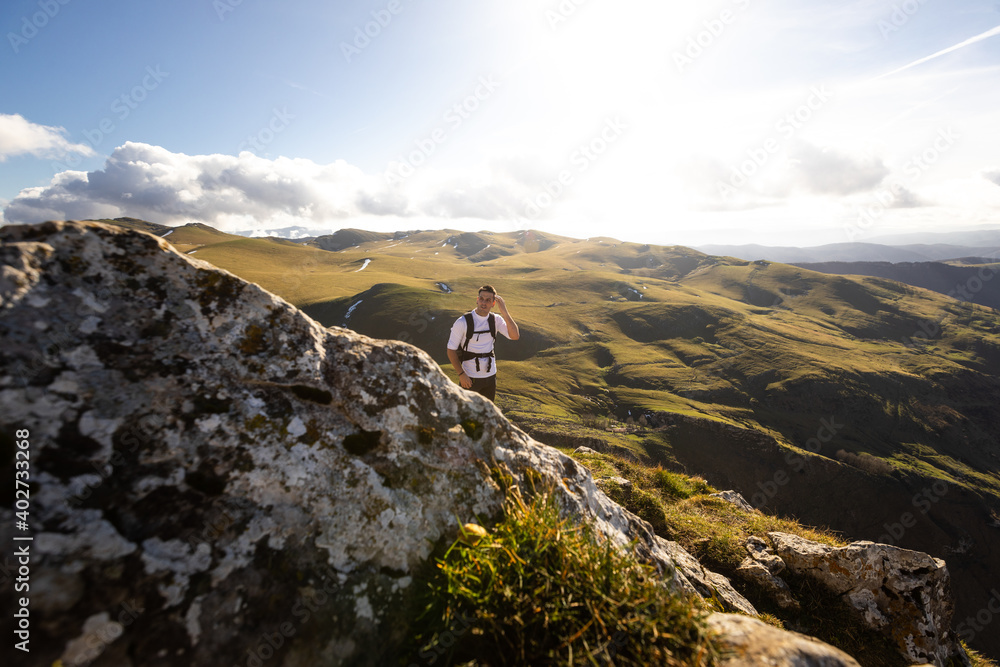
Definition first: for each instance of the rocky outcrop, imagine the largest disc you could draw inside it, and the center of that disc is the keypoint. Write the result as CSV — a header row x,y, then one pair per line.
x,y
747,642
905,594
736,499
216,477
696,579
886,509
762,567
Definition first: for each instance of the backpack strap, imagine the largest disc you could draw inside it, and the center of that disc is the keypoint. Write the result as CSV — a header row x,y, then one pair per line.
x,y
470,329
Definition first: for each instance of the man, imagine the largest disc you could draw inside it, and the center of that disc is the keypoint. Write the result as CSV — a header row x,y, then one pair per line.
x,y
470,350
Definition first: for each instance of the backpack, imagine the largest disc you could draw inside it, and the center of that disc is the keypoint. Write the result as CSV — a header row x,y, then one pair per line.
x,y
470,332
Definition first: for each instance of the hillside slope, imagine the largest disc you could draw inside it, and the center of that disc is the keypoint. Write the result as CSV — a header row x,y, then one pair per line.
x,y
861,252
971,280
858,403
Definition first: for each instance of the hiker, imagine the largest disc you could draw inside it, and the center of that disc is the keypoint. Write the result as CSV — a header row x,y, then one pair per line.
x,y
470,347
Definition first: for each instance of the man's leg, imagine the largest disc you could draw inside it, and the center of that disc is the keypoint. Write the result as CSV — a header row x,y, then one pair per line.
x,y
485,386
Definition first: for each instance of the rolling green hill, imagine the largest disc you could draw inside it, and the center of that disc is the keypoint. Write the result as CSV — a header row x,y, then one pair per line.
x,y
967,279
136,223
858,403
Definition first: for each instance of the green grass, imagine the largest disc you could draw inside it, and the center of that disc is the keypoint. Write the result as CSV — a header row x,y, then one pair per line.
x,y
680,508
540,590
978,659
715,532
679,486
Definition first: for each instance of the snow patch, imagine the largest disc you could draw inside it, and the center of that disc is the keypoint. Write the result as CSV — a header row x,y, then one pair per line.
x,y
363,267
351,309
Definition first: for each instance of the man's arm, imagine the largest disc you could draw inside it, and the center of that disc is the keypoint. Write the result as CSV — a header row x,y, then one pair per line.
x,y
512,331
456,363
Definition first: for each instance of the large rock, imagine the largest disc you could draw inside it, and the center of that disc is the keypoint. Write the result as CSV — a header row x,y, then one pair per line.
x,y
736,499
905,594
762,567
215,478
747,642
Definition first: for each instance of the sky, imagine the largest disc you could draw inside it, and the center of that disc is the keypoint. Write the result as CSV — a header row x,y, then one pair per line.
x,y
739,121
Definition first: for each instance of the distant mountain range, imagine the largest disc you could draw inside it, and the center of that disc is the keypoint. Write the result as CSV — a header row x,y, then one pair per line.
x,y
973,283
957,247
967,275
961,265
855,252
979,237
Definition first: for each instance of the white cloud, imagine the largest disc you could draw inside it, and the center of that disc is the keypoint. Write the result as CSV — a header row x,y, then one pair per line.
x,y
765,179
247,191
828,172
805,182
19,136
905,198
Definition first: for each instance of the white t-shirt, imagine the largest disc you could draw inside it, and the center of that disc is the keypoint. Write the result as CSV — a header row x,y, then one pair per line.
x,y
480,343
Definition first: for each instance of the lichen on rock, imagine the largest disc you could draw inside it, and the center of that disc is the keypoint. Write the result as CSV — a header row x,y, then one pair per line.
x,y
904,594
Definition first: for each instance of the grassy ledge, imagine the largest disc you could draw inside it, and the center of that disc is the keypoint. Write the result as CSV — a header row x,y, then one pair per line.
x,y
680,508
540,590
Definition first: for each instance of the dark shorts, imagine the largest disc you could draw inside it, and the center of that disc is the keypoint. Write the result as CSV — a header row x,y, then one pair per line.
x,y
485,386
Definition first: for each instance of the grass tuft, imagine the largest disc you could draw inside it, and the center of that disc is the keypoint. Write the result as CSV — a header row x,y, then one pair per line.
x,y
540,590
978,659
679,486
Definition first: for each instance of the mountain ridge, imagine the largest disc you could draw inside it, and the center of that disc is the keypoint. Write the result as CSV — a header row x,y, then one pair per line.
x,y
965,279
856,252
